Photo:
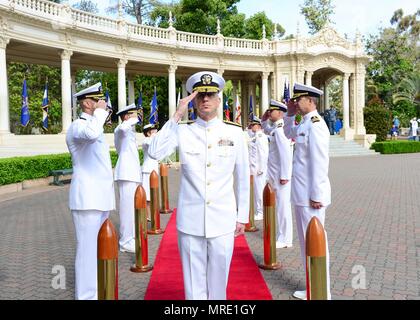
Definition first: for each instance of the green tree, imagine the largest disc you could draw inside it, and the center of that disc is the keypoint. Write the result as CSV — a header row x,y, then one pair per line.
x,y
86,5
254,27
317,13
378,119
140,9
408,91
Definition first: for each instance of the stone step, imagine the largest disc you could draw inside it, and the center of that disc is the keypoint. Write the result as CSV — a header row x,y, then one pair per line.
x,y
342,148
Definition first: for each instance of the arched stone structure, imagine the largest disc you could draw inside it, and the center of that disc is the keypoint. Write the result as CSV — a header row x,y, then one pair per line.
x,y
38,31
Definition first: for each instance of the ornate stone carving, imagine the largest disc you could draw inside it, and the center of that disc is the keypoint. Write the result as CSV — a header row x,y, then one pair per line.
x,y
329,37
121,63
66,54
172,68
4,41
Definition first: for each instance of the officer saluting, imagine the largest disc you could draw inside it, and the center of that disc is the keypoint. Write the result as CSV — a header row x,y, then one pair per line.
x,y
91,190
212,154
258,158
127,173
280,172
311,190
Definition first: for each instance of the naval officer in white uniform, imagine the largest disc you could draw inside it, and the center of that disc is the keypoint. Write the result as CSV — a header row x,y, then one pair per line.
x,y
280,173
92,186
149,164
213,155
311,190
127,173
258,159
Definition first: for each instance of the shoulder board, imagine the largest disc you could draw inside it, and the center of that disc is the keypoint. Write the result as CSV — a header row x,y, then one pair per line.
x,y
315,119
280,125
82,118
232,123
186,122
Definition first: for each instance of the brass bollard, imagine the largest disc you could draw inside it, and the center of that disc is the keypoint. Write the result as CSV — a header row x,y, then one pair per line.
x,y
140,218
316,261
269,202
164,190
154,205
107,262
250,226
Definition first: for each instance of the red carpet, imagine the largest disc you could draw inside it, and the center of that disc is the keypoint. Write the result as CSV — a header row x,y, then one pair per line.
x,y
245,279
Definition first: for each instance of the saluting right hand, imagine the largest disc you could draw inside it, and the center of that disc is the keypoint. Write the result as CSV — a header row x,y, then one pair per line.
x,y
183,106
101,104
265,115
291,108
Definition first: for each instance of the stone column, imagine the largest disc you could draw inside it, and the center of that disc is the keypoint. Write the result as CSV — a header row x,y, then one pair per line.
x,y
184,93
264,92
73,99
347,132
360,104
66,89
4,89
131,92
308,80
171,90
220,110
234,94
122,93
326,97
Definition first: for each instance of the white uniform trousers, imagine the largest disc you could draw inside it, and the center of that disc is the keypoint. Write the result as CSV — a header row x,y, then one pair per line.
x,y
127,190
87,224
205,265
303,216
259,184
284,219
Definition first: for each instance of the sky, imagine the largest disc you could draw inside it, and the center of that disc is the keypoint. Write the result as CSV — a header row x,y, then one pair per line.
x,y
365,15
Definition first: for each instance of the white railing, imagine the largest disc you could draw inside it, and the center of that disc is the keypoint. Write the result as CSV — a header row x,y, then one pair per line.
x,y
148,32
183,38
40,6
69,17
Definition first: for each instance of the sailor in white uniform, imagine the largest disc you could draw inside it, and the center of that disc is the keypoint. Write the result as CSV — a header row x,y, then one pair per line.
x,y
280,173
92,187
149,164
311,190
258,159
214,161
127,173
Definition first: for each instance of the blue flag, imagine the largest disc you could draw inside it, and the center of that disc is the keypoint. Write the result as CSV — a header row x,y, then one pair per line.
x,y
45,104
153,119
286,93
251,109
140,108
24,116
109,107
191,113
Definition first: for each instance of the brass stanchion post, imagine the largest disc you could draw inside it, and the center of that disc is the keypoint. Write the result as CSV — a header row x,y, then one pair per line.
x,y
140,220
107,262
164,190
154,205
250,226
316,261
269,202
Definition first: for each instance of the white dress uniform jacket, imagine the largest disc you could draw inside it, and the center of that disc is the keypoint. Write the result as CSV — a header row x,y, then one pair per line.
x,y
149,164
258,152
128,164
310,164
211,154
92,181
280,155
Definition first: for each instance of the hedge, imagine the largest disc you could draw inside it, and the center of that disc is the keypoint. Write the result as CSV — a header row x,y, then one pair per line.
x,y
18,169
393,147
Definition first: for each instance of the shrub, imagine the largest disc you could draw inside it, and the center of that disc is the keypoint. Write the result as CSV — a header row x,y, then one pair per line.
x,y
393,147
378,119
18,169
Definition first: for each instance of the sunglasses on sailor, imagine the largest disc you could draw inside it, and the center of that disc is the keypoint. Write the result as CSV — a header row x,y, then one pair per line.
x,y
201,95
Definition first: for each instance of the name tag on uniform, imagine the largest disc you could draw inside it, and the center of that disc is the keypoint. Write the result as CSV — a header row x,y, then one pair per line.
x,y
225,143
